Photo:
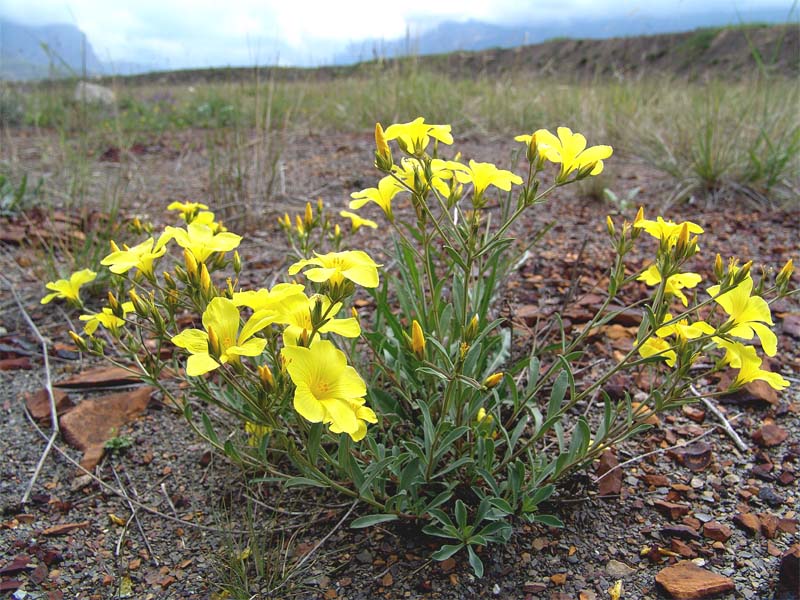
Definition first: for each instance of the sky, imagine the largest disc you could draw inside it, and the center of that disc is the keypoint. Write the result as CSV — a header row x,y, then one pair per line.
x,y
183,33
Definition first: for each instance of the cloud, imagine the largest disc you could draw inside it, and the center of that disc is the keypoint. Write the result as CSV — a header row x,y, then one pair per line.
x,y
209,32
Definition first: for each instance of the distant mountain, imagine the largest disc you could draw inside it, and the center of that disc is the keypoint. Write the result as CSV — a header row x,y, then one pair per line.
x,y
451,36
28,52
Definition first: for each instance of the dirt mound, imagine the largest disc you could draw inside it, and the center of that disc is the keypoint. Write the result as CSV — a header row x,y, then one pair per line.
x,y
727,52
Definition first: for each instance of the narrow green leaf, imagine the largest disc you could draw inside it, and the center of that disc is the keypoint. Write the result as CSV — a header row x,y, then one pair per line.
x,y
370,520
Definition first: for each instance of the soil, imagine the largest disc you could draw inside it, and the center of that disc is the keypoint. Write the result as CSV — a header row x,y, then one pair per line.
x,y
190,504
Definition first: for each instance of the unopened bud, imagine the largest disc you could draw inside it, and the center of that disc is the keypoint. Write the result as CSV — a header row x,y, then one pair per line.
x,y
237,262
299,224
417,340
265,375
79,342
785,274
303,339
471,331
213,342
532,152
493,379
308,218
383,154
719,269
113,304
139,305
354,312
639,215
191,264
320,204
205,279
610,226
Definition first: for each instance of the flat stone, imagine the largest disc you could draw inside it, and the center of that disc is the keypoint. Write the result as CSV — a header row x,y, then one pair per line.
x,y
687,581
671,509
680,531
768,495
95,421
769,435
716,531
618,570
101,377
38,403
749,522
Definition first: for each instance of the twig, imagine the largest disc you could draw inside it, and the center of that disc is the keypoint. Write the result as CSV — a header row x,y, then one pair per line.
x,y
133,515
656,451
725,423
169,500
48,386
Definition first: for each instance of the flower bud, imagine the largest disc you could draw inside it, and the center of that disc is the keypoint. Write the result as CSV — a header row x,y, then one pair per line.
x,y
299,224
483,417
237,263
267,380
79,342
610,226
471,331
383,154
493,379
113,304
320,204
308,217
139,305
205,280
213,342
191,264
785,274
417,340
719,269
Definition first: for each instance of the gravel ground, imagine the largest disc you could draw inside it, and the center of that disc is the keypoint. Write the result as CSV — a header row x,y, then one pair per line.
x,y
191,504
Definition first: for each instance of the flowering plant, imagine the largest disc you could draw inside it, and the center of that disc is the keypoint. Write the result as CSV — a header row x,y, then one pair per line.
x,y
454,428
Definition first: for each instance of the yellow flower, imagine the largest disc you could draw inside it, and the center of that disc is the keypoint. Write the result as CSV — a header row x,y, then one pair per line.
x,y
106,318
749,315
222,337
665,231
440,172
387,189
328,390
684,330
295,312
675,283
482,175
188,210
335,267
139,257
271,299
255,433
416,135
202,241
69,289
569,149
655,346
483,416
356,221
745,358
